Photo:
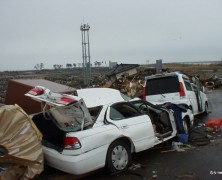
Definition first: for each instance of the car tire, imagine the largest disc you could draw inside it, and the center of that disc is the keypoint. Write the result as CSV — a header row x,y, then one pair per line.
x,y
185,126
206,109
118,157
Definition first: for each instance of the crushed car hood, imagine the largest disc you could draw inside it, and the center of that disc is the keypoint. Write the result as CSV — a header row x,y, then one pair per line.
x,y
99,96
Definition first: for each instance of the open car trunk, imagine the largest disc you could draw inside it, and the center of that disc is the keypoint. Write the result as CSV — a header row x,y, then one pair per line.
x,y
61,114
53,136
54,130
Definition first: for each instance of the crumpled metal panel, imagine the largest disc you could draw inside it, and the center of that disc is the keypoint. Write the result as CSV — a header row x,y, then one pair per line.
x,y
22,140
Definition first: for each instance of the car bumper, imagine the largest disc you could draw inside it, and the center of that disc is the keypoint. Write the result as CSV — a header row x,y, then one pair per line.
x,y
78,164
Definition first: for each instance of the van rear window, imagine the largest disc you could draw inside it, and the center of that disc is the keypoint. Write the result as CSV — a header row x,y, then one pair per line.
x,y
162,85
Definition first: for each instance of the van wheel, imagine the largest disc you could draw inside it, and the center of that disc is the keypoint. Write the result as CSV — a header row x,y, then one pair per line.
x,y
118,157
185,126
206,109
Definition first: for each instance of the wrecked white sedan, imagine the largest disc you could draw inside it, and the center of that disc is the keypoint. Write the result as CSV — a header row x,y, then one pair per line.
x,y
97,128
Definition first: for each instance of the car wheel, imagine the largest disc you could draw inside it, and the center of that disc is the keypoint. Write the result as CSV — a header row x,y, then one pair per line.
x,y
118,157
206,109
185,126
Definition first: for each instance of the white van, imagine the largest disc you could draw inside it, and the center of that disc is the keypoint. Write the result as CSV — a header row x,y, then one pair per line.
x,y
176,88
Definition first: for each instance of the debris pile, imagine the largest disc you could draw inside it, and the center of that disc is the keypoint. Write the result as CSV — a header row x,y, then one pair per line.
x,y
214,124
178,147
17,133
212,82
131,86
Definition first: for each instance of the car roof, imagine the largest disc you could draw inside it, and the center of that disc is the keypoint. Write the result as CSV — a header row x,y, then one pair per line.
x,y
166,75
99,96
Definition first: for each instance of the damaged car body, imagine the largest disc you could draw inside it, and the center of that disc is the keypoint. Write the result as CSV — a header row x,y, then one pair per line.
x,y
97,128
176,88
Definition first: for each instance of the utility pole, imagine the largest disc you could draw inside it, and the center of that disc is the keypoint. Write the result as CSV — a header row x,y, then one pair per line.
x,y
86,54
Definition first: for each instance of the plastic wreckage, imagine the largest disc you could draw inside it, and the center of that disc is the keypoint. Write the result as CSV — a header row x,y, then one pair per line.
x,y
21,155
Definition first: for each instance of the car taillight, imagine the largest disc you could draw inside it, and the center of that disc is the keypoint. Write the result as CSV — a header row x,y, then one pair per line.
x,y
182,91
66,101
72,143
36,91
144,94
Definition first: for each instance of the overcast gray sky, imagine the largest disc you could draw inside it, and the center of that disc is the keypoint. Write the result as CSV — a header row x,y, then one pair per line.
x,y
126,31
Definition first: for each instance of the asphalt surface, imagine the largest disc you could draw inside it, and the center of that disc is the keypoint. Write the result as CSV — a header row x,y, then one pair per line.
x,y
197,162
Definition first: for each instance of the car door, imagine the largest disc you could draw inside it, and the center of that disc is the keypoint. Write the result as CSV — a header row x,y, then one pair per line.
x,y
132,124
191,95
200,94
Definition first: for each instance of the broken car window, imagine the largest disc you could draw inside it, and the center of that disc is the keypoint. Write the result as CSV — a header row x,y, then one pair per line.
x,y
123,110
188,85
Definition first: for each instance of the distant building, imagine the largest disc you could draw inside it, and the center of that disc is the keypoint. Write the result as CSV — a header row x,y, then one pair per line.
x,y
17,88
112,65
159,65
121,70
